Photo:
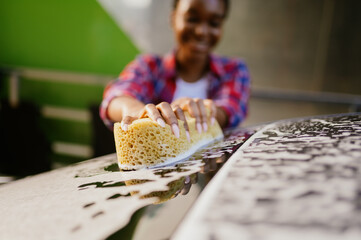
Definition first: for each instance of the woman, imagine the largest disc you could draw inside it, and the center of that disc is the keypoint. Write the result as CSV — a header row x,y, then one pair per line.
x,y
188,79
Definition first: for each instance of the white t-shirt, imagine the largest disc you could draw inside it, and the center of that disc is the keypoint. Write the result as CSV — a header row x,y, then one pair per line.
x,y
193,90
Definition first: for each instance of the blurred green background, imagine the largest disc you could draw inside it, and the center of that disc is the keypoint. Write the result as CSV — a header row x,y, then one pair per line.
x,y
62,53
65,35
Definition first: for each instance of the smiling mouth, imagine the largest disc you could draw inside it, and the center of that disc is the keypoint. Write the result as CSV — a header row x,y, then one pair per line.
x,y
199,46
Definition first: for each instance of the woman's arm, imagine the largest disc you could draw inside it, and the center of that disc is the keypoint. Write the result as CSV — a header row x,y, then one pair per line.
x,y
232,96
221,117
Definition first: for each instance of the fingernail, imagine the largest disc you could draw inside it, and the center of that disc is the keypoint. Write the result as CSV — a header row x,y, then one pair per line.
x,y
188,136
175,130
205,127
212,120
124,126
199,127
161,122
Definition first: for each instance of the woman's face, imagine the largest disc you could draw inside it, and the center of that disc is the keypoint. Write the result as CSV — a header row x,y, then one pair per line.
x,y
197,25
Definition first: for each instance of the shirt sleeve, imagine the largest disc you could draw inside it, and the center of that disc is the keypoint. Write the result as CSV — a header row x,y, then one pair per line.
x,y
134,81
233,94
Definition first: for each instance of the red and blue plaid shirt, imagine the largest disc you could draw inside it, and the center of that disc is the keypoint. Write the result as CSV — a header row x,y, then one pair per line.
x,y
151,79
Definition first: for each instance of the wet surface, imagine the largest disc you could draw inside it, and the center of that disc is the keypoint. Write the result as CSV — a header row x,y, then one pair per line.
x,y
93,199
166,183
292,180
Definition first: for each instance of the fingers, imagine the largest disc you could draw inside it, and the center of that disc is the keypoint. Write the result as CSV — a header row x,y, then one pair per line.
x,y
180,115
203,113
149,110
126,121
213,109
191,106
152,112
197,108
162,113
167,113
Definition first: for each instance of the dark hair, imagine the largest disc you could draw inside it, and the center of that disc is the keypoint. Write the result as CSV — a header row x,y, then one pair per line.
x,y
225,2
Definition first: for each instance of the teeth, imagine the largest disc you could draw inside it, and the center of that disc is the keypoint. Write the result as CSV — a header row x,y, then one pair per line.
x,y
200,44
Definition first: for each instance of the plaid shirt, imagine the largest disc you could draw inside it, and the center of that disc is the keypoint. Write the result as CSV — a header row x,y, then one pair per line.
x,y
151,79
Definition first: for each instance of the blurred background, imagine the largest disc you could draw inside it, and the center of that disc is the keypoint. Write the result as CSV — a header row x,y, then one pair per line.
x,y
56,57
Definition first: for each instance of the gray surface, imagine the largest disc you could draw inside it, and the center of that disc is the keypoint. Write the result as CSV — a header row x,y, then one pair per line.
x,y
79,202
93,199
289,181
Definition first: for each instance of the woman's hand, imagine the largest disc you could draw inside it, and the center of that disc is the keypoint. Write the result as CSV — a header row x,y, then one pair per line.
x,y
127,109
197,109
164,113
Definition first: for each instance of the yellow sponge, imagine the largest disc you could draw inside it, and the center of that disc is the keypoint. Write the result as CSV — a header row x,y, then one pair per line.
x,y
147,144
